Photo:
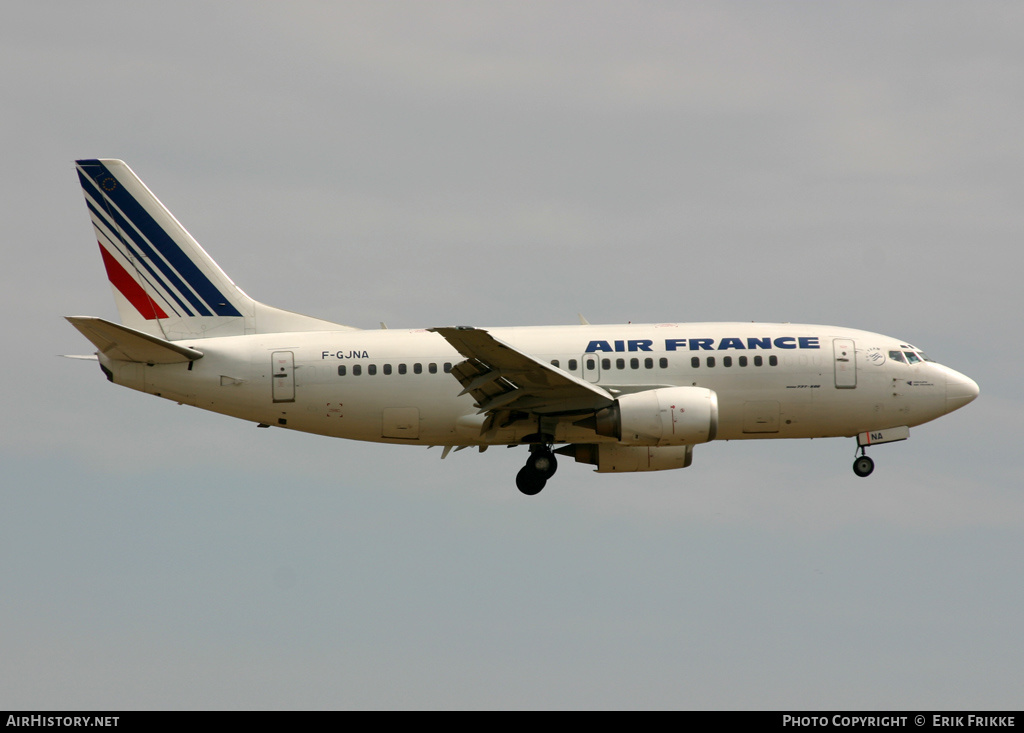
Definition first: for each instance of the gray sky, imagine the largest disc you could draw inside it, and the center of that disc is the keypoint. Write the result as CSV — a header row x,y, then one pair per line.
x,y
856,164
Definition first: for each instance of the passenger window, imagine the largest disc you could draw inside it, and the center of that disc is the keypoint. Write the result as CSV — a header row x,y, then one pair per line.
x,y
634,363
773,360
554,362
758,361
401,368
648,363
357,370
447,367
572,365
606,363
432,368
711,361
727,361
743,361
371,369
591,364
387,369
417,368
695,362
341,371
663,362
620,363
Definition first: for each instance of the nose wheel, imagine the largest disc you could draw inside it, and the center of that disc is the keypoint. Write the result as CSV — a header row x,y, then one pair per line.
x,y
863,466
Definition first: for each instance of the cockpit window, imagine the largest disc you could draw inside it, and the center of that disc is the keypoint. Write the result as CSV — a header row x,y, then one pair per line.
x,y
897,356
924,356
912,358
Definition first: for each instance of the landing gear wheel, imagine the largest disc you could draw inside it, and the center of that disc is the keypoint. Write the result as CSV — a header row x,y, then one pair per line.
x,y
863,466
542,462
530,481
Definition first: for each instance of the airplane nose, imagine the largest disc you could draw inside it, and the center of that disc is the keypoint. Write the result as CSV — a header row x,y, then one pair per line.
x,y
960,390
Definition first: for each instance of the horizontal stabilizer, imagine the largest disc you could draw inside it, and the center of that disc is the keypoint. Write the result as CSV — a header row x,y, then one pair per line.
x,y
127,344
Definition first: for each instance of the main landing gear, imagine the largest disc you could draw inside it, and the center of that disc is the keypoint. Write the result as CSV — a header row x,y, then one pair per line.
x,y
540,466
863,466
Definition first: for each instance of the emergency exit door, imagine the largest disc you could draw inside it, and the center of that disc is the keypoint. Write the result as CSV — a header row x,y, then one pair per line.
x,y
282,377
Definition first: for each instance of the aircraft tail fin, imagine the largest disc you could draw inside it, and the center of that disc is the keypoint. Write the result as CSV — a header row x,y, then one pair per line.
x,y
164,282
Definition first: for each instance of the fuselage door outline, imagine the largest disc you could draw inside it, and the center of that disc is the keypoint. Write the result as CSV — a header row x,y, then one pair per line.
x,y
845,355
283,376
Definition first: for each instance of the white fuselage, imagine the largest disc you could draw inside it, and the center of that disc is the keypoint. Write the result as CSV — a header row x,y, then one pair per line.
x,y
772,380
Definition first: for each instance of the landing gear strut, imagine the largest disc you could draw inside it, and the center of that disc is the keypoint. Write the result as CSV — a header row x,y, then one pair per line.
x,y
540,466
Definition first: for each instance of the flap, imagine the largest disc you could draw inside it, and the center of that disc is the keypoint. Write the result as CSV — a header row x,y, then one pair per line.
x,y
501,377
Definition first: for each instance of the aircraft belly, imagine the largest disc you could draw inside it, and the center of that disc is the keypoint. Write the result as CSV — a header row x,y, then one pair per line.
x,y
799,405
408,415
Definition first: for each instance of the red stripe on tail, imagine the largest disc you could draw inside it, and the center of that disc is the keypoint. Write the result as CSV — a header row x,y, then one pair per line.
x,y
131,289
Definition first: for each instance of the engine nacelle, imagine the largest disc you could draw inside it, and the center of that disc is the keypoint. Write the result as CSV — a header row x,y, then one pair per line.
x,y
666,416
614,458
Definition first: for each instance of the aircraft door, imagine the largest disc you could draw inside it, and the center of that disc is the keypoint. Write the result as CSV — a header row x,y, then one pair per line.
x,y
282,376
591,367
845,353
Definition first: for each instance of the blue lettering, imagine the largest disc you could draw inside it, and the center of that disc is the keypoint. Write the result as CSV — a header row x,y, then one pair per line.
x,y
708,344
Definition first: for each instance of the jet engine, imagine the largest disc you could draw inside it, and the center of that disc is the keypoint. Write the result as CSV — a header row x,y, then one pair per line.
x,y
659,417
615,458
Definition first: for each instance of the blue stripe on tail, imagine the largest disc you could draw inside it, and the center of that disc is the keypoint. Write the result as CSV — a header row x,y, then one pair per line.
x,y
206,299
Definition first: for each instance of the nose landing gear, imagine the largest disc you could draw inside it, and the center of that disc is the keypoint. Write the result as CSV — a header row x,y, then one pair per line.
x,y
863,466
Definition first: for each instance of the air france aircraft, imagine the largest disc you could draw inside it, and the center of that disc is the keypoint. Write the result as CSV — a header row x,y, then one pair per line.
x,y
619,397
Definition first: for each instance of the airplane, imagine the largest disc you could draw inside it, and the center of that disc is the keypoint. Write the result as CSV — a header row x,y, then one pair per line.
x,y
622,398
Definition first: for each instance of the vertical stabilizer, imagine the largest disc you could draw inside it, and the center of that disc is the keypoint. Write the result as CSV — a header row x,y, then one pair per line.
x,y
164,283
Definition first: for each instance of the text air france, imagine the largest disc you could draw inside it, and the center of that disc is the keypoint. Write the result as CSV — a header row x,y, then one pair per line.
x,y
707,344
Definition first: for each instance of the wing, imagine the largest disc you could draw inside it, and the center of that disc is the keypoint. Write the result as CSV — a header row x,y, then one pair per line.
x,y
502,378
